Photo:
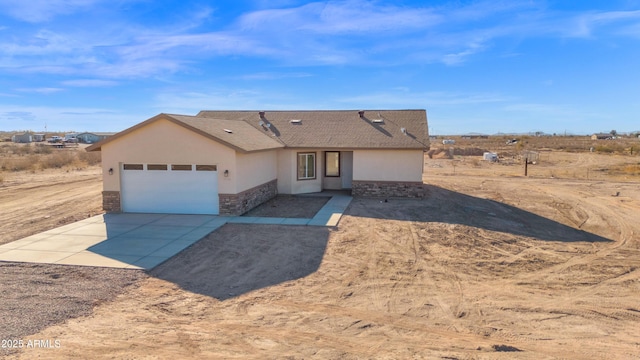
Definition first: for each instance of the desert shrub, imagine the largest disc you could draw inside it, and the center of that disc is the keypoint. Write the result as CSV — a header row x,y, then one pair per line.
x,y
609,148
18,164
90,158
42,149
58,159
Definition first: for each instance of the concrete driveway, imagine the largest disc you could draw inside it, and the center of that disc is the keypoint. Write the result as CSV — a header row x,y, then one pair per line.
x,y
138,241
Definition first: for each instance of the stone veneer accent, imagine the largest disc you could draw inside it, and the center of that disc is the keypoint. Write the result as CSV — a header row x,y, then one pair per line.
x,y
237,204
111,201
388,189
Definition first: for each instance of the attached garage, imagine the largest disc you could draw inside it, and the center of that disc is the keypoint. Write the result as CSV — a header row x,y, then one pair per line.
x,y
170,188
228,162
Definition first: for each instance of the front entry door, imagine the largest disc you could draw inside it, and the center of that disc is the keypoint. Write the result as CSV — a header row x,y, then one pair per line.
x,y
346,168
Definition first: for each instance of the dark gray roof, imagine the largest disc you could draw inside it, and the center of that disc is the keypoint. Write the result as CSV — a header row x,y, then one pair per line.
x,y
248,131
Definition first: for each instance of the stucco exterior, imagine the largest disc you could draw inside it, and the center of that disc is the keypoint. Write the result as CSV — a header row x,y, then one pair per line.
x,y
255,169
388,165
164,142
256,157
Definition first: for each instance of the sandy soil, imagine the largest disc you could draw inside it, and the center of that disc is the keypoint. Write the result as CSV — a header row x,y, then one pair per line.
x,y
290,206
492,265
32,202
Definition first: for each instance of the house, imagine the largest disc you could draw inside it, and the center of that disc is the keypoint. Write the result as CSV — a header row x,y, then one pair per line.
x,y
91,138
227,162
22,138
38,137
601,136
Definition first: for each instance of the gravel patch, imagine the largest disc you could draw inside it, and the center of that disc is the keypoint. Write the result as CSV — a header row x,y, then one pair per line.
x,y
36,296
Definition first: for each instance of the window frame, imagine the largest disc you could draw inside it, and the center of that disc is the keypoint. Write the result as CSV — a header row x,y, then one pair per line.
x,y
326,161
306,162
131,166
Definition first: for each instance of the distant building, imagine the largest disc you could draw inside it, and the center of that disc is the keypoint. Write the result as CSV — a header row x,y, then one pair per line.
x,y
24,138
90,138
601,136
470,137
38,137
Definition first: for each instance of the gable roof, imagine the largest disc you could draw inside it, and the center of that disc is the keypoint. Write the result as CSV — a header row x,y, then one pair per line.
x,y
248,131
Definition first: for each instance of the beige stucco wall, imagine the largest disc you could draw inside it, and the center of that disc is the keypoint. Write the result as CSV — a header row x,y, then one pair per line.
x,y
288,182
255,169
164,142
388,165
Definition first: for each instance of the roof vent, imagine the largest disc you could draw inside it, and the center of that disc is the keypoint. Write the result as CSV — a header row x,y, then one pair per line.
x,y
403,130
361,113
296,121
378,121
228,131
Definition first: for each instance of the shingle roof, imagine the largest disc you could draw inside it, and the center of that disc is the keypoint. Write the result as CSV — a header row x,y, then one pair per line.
x,y
338,128
237,134
248,131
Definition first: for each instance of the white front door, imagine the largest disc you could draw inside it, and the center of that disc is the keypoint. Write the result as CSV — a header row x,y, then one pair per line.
x,y
169,188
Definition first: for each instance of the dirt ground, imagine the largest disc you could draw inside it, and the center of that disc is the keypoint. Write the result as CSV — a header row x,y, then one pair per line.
x,y
492,265
35,201
289,206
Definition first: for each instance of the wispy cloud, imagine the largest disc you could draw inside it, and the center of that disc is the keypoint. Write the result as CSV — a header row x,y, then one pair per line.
x,y
89,83
42,10
66,118
407,99
274,76
41,90
351,32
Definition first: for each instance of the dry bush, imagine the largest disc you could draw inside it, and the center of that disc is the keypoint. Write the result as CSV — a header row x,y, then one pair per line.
x,y
18,164
42,149
609,148
90,158
58,159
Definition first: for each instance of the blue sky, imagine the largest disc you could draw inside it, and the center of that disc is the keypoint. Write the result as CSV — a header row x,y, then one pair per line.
x,y
475,66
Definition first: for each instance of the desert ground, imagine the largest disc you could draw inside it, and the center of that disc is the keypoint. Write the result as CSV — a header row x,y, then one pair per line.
x,y
491,265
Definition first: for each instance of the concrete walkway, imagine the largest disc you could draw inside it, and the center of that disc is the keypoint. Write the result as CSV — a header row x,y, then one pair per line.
x,y
139,241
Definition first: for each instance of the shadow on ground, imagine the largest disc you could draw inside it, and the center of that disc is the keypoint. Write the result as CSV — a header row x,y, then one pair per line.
x,y
452,207
239,258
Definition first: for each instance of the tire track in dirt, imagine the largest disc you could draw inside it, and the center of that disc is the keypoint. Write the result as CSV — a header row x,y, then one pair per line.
x,y
66,199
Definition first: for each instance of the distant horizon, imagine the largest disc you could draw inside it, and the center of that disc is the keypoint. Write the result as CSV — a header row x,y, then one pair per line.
x,y
526,133
487,66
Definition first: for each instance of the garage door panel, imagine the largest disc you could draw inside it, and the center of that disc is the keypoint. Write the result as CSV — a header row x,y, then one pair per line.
x,y
174,192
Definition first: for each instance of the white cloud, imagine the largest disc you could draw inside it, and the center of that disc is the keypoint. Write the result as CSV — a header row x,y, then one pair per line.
x,y
273,76
41,90
89,83
65,118
341,17
43,10
352,32
420,100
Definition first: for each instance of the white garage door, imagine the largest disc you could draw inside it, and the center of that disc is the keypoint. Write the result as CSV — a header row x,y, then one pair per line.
x,y
170,188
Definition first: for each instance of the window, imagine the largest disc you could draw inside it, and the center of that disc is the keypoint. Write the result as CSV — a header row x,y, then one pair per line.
x,y
306,166
332,164
206,168
156,166
133,167
181,167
